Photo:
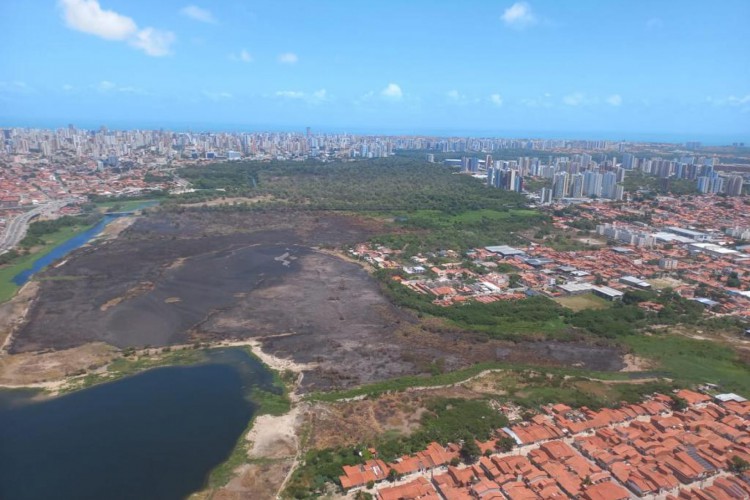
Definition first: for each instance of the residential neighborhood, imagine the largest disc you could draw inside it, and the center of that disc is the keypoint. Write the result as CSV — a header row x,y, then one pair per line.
x,y
645,450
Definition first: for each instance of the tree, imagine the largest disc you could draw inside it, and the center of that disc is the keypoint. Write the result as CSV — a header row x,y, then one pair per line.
x,y
738,464
470,452
733,280
505,444
678,403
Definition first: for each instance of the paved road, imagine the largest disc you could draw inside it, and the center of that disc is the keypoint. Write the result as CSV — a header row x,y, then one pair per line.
x,y
16,228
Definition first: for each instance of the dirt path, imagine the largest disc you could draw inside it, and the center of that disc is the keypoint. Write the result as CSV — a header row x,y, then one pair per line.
x,y
14,311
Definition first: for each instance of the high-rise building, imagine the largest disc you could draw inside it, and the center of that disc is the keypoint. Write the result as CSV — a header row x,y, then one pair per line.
x,y
734,185
592,183
609,185
704,184
576,186
560,185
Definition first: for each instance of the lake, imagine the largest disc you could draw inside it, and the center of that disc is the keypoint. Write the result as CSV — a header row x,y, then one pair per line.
x,y
155,435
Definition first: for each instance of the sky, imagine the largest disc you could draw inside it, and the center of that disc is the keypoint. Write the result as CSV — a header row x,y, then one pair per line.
x,y
610,69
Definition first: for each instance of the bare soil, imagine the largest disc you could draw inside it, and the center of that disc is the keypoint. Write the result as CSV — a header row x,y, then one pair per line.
x,y
177,278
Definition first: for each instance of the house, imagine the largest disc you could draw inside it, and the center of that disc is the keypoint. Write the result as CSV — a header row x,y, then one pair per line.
x,y
606,491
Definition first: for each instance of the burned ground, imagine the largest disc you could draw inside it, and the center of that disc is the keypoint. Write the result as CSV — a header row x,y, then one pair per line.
x,y
173,278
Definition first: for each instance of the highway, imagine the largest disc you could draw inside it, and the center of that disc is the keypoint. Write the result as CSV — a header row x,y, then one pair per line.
x,y
16,228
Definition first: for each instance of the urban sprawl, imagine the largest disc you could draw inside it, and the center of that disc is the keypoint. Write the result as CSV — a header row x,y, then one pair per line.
x,y
625,217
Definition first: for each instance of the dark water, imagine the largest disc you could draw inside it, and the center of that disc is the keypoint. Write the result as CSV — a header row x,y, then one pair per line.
x,y
155,435
67,246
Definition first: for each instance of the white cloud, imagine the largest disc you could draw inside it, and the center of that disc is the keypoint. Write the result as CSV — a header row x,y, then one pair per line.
x,y
15,87
290,94
519,15
245,56
315,97
68,87
87,16
198,14
288,58
392,91
154,42
242,56
217,96
738,101
543,101
319,95
496,99
614,100
454,95
574,99
105,86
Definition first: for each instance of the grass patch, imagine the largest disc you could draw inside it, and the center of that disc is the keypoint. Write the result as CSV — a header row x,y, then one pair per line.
x,y
584,301
460,230
222,473
454,377
692,362
130,365
23,262
116,205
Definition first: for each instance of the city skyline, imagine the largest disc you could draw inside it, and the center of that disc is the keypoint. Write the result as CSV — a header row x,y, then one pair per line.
x,y
609,71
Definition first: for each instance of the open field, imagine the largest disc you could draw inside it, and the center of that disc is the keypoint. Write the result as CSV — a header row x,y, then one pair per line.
x,y
666,282
584,301
692,362
181,277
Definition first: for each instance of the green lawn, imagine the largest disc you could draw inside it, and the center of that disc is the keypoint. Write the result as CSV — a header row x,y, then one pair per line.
x,y
7,288
121,205
585,301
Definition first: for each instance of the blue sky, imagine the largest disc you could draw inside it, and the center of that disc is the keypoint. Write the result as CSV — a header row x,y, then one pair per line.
x,y
602,68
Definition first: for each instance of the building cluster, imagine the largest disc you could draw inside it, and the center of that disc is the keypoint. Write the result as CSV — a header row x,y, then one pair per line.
x,y
637,450
576,177
705,265
698,169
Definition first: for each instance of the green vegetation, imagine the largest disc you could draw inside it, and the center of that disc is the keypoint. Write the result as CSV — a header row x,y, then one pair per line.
x,y
435,230
691,362
380,185
24,260
131,363
501,319
585,301
442,210
539,315
636,180
445,421
123,204
454,377
274,401
39,231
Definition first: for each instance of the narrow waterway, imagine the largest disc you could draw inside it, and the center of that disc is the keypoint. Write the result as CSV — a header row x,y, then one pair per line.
x,y
68,246
155,435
